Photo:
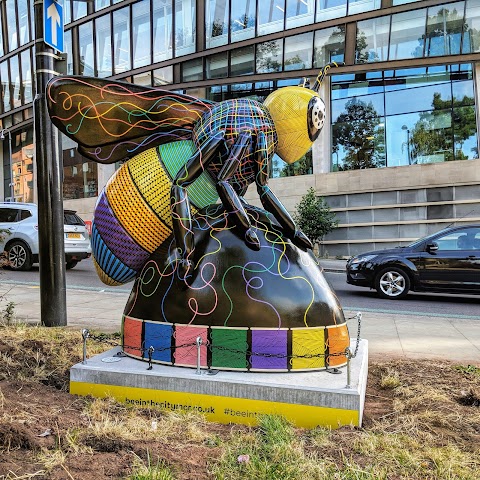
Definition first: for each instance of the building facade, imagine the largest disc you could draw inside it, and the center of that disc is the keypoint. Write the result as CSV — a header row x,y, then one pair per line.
x,y
398,157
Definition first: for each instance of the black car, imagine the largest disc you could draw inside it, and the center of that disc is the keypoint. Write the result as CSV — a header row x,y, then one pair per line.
x,y
447,261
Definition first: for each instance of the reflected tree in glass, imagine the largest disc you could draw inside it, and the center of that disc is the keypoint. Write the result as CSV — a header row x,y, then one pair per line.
x,y
356,130
269,57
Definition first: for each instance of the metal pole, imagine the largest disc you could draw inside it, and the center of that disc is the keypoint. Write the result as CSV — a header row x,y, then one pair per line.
x,y
53,302
199,344
85,335
12,183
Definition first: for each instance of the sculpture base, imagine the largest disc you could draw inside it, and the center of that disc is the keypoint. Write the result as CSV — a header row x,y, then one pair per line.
x,y
307,399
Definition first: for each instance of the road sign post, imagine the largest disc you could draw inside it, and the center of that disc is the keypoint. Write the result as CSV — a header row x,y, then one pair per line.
x,y
53,303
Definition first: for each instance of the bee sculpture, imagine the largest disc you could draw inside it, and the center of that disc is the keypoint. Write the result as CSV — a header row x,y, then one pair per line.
x,y
181,154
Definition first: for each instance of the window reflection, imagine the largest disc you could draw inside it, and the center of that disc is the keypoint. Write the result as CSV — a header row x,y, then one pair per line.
x,y
141,33
429,117
85,40
329,46
121,40
22,165
27,90
269,56
217,65
242,61
68,51
270,16
360,6
444,29
471,37
5,92
15,85
192,70
184,27
242,19
162,30
12,25
298,52
299,12
328,9
372,40
407,35
162,76
24,31
216,22
103,46
79,9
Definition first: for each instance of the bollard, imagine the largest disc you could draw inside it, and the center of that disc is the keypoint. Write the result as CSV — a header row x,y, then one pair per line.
x,y
348,354
199,344
85,335
150,354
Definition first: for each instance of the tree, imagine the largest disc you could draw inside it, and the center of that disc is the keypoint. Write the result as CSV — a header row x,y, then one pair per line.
x,y
358,130
313,216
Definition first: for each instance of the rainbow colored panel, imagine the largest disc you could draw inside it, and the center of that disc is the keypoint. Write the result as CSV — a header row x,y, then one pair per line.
x,y
308,348
271,346
132,336
159,336
187,335
229,348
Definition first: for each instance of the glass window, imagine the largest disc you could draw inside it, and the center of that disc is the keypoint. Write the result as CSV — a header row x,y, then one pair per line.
x,y
298,52
329,46
184,27
407,36
360,6
216,66
68,51
465,133
12,25
121,38
143,79
141,33
27,89
16,85
242,61
242,19
79,9
465,239
444,29
463,93
103,46
163,76
5,93
162,30
402,2
67,11
1,39
270,16
80,176
269,56
23,25
22,165
372,40
299,12
216,22
85,42
9,215
99,4
192,70
327,9
471,36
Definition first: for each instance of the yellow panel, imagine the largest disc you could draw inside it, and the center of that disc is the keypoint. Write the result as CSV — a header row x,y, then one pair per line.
x,y
308,341
221,409
152,182
338,341
132,211
103,276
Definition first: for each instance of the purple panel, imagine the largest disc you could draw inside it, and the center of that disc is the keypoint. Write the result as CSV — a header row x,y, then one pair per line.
x,y
115,236
269,342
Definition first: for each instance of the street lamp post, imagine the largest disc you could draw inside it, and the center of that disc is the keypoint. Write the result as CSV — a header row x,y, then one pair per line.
x,y
404,127
53,302
2,137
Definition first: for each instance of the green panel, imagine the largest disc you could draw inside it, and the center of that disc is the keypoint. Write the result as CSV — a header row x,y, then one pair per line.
x,y
174,156
229,348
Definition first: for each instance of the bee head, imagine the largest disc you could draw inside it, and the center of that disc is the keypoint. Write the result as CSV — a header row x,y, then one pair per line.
x,y
299,115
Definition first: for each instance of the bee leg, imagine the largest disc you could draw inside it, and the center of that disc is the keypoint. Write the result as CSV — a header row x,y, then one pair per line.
x,y
229,197
180,205
271,203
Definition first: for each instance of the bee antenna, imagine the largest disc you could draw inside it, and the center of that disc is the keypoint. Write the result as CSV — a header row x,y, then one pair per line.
x,y
323,72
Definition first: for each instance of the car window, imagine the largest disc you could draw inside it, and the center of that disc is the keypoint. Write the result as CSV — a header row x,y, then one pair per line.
x,y
465,239
24,214
8,215
71,218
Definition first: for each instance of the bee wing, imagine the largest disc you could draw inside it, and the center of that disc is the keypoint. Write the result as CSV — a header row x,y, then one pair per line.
x,y
113,120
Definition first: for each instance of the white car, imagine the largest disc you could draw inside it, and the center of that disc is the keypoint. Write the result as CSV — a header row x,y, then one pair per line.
x,y
19,235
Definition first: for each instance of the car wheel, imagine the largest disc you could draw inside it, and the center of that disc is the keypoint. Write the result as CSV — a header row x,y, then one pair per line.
x,y
71,264
392,283
19,256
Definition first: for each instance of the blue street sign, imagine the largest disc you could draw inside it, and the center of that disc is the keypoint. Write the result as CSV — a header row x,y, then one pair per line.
x,y
53,24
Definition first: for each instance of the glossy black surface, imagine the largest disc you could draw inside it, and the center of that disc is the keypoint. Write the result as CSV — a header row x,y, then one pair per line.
x,y
447,261
279,286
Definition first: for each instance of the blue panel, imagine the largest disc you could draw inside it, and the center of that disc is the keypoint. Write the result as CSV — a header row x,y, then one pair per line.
x,y
159,336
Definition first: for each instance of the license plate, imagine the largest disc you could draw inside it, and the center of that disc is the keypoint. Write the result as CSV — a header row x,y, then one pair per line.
x,y
74,235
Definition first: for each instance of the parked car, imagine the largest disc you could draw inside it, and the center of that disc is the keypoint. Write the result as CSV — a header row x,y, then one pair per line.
x,y
19,235
447,261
